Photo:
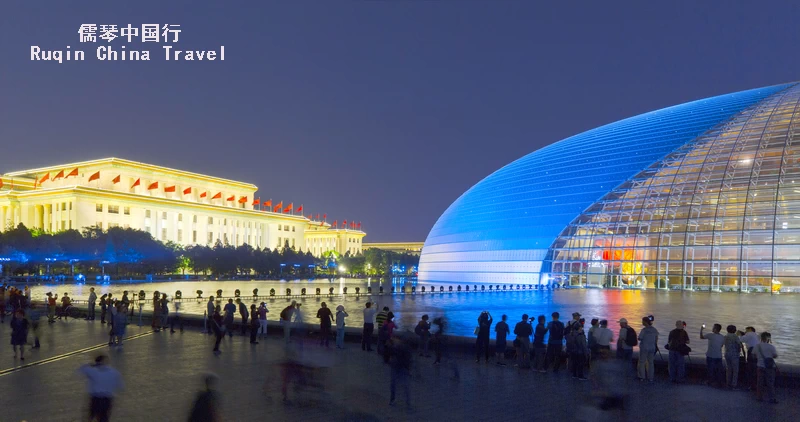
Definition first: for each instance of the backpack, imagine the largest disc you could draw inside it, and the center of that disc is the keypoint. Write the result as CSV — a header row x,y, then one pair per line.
x,y
285,314
630,338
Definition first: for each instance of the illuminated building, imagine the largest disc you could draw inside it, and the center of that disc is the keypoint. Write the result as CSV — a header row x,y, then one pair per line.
x,y
411,248
703,195
172,205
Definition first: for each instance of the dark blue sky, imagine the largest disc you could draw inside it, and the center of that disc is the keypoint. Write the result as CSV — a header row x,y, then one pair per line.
x,y
378,111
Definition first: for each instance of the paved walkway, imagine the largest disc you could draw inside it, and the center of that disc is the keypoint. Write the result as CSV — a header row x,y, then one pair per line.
x,y
162,373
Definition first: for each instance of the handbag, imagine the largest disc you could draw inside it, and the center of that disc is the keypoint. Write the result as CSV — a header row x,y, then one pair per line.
x,y
477,330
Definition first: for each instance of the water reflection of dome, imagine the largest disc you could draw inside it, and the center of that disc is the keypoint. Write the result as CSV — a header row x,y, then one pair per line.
x,y
700,195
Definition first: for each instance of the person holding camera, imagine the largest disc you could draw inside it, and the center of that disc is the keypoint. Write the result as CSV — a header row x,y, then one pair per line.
x,y
678,346
766,354
648,346
714,352
522,343
483,331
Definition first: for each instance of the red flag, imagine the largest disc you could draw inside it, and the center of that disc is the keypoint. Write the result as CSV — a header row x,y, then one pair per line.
x,y
335,223
95,176
136,183
152,186
59,175
169,188
310,217
116,179
288,207
317,217
243,200
344,224
187,191
268,204
257,201
44,178
204,194
278,207
300,209
359,225
1,183
324,216
74,172
231,198
217,196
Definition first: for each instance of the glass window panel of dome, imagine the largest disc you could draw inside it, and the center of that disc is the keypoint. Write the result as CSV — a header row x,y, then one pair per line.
x,y
785,252
788,237
787,221
754,253
670,253
726,253
700,269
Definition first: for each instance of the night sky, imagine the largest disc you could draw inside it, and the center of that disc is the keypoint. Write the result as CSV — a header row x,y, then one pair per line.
x,y
376,111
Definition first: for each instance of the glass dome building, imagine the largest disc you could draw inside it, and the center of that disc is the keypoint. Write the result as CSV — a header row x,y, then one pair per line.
x,y
703,195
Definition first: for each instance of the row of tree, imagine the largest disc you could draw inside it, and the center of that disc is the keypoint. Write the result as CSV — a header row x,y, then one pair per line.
x,y
124,253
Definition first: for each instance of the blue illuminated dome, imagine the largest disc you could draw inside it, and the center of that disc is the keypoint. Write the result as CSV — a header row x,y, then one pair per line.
x,y
699,195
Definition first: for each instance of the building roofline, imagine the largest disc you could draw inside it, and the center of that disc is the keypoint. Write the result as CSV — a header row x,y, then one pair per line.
x,y
135,164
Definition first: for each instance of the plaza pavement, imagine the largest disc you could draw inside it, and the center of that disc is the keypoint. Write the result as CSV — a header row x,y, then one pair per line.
x,y
162,372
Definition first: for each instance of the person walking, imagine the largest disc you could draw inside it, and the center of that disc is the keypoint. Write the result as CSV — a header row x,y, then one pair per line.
x,y
733,350
713,353
501,331
325,319
648,346
286,320
523,332
483,330
254,325
244,314
341,314
92,300
218,327
209,315
750,340
401,369
262,319
103,383
555,342
369,327
678,345
230,311
19,333
206,407
766,354
539,346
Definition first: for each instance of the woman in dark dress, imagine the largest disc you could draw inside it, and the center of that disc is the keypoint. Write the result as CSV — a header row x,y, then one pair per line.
x,y
19,333
482,344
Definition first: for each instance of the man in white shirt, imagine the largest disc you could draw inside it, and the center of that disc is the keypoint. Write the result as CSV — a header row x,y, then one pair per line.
x,y
603,337
766,354
369,327
104,382
714,352
750,340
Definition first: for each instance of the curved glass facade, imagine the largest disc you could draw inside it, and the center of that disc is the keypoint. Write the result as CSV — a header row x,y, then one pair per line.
x,y
538,216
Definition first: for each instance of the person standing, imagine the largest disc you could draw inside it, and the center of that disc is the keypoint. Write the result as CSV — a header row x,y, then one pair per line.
x,y
380,321
626,341
164,302
766,354
555,342
176,317
341,314
648,346
51,307
714,352
523,332
325,319
262,319
103,383
423,331
369,327
750,340
244,314
206,407
103,307
286,320
19,333
603,338
34,317
539,346
678,342
209,315
230,311
501,333
579,351
120,323
66,302
592,340
156,324
218,327
484,331
92,300
733,349
254,325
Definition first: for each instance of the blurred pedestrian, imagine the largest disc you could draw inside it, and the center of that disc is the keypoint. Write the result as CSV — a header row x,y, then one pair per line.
x,y
164,302
603,337
539,346
380,320
230,311
341,314
103,383
325,320
176,317
766,354
51,307
713,353
92,300
750,339
523,332
555,342
254,325
401,369
733,349
209,314
578,350
156,323
103,308
626,341
678,346
387,330
206,407
648,346
286,320
483,331
19,333
244,314
262,319
423,331
218,327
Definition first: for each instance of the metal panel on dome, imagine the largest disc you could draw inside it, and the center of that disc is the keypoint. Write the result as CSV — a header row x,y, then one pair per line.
x,y
514,215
